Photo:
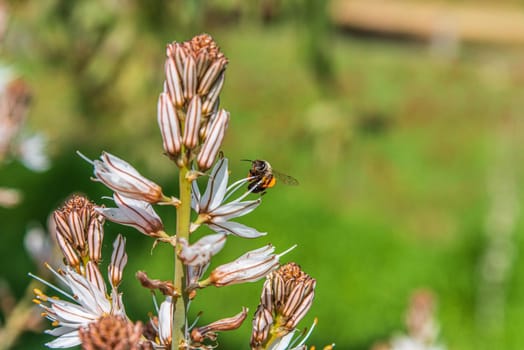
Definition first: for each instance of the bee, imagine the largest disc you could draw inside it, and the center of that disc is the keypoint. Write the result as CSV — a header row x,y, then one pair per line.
x,y
262,176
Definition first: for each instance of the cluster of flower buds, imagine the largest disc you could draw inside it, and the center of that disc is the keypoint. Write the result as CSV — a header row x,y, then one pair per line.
x,y
286,297
79,232
191,123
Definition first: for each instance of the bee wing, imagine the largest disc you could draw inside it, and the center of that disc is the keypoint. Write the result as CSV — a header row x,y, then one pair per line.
x,y
285,179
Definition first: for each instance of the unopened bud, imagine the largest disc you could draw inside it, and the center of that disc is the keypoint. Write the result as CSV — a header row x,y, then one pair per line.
x,y
70,255
189,77
211,76
95,236
118,261
212,97
169,126
192,123
215,136
173,83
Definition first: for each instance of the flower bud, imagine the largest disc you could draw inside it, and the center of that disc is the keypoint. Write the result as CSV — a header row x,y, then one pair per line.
x,y
118,261
95,236
211,76
189,77
173,83
192,124
209,102
169,126
70,255
215,136
262,322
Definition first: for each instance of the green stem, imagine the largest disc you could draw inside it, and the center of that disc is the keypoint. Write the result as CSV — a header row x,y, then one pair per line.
x,y
182,231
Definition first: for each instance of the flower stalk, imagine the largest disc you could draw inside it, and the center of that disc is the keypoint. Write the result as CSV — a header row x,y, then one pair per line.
x,y
183,220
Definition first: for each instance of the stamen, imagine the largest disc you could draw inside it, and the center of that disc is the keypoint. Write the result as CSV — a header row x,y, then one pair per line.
x,y
287,251
155,302
196,320
235,186
249,191
50,285
306,336
85,158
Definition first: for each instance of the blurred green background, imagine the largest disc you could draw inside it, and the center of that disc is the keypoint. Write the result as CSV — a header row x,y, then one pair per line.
x,y
408,151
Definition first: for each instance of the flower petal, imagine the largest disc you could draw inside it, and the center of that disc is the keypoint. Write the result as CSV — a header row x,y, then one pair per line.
x,y
216,186
165,316
67,340
200,253
234,209
236,229
135,213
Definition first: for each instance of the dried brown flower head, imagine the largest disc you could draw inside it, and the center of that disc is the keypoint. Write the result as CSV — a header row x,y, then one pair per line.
x,y
113,333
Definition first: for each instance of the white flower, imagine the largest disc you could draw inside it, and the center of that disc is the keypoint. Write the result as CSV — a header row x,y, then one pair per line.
x,y
200,253
165,319
88,299
250,267
32,152
121,177
212,208
164,327
135,213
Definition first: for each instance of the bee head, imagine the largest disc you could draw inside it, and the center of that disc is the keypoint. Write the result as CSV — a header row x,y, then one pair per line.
x,y
260,165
